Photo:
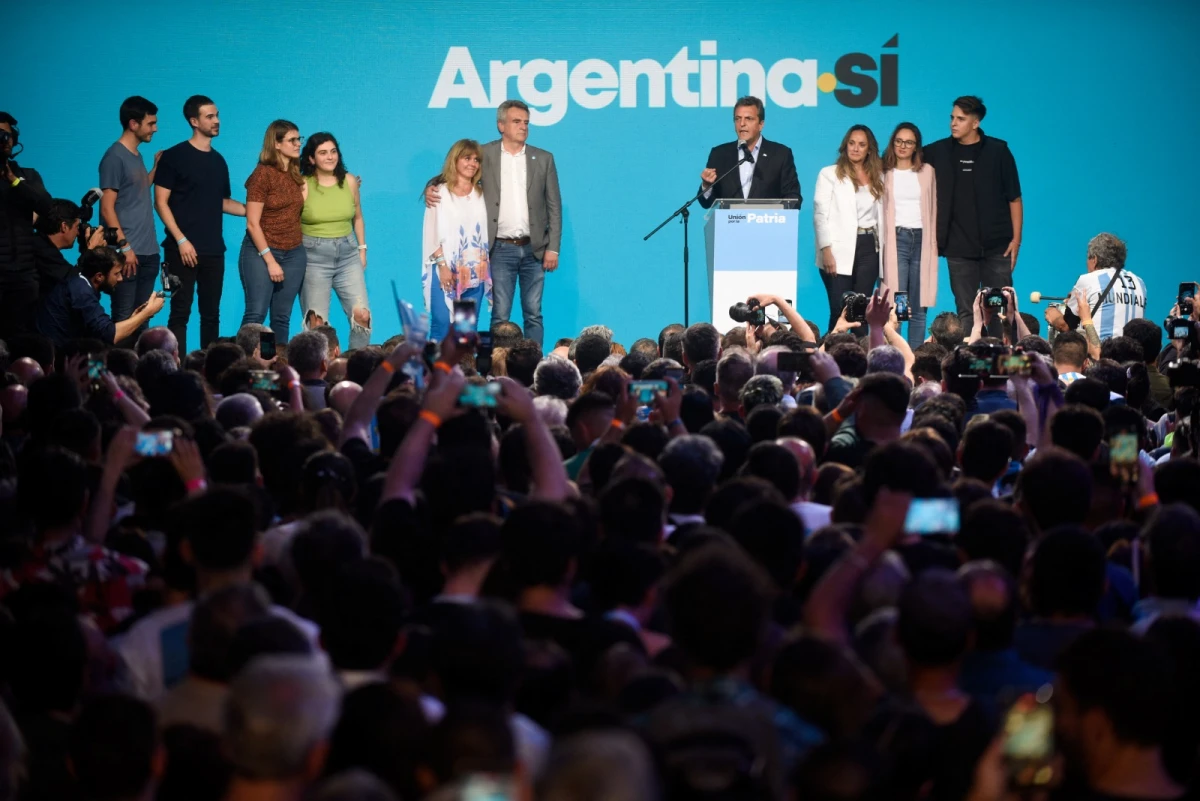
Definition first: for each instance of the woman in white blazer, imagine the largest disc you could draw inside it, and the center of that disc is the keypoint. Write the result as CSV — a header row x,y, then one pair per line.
x,y
848,216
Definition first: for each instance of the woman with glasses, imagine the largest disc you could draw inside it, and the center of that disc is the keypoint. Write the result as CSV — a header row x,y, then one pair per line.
x,y
332,224
272,259
455,239
847,216
910,258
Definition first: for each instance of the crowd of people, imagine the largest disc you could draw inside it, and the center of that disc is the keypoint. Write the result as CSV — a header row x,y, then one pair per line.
x,y
761,563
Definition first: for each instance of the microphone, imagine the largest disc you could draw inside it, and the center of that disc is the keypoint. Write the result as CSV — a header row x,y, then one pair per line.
x,y
749,156
1038,297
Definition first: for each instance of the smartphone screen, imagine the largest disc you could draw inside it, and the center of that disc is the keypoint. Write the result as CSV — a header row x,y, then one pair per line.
x,y
902,312
1187,289
645,391
480,396
266,380
266,345
96,369
1013,364
1181,331
1029,741
1123,456
932,516
792,362
486,341
674,372
466,321
154,443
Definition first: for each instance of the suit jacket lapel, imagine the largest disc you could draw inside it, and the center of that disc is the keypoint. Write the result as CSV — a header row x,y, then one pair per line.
x,y
491,166
530,164
756,175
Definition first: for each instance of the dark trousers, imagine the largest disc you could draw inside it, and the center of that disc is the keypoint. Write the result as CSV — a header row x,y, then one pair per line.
x,y
209,276
18,302
862,280
133,292
967,275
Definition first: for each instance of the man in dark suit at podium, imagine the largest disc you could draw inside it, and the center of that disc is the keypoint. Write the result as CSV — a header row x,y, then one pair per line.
x,y
767,169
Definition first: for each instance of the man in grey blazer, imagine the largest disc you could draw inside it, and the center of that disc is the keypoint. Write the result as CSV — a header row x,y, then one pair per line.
x,y
520,188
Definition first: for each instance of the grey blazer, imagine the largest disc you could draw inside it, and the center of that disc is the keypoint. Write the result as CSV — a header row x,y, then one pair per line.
x,y
545,203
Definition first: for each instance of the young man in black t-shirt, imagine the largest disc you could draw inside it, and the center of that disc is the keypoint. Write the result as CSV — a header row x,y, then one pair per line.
x,y
979,210
191,193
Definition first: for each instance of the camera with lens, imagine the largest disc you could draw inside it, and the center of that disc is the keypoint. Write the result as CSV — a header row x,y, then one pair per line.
x,y
86,207
993,298
855,304
751,313
983,360
170,283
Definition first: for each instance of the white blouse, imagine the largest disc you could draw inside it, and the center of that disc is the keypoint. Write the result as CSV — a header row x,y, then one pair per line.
x,y
906,190
864,203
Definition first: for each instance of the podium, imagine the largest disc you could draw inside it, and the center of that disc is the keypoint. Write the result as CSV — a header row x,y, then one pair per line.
x,y
752,247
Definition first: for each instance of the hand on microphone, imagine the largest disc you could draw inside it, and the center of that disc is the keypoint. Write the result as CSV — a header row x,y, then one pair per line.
x,y
708,177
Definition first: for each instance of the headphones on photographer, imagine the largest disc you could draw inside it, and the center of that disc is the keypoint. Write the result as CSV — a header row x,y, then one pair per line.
x,y
16,133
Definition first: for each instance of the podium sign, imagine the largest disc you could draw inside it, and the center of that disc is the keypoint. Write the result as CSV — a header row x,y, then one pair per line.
x,y
752,248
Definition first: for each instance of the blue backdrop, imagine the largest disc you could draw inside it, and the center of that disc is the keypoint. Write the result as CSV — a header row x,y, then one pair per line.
x,y
630,96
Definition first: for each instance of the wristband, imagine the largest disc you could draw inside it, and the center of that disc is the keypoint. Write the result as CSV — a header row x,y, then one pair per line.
x,y
431,418
264,251
676,422
443,367
125,249
836,414
617,424
387,366
16,181
195,484
1148,501
362,247
181,240
119,395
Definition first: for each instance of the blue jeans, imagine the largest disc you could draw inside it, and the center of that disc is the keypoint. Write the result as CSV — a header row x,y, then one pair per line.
x,y
335,266
510,263
908,268
263,294
133,292
439,315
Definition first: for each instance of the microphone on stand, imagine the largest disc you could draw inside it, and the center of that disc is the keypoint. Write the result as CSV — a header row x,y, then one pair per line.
x,y
1038,297
748,156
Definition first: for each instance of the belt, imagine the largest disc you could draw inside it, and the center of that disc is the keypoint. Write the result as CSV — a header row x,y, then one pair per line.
x,y
910,230
866,230
521,240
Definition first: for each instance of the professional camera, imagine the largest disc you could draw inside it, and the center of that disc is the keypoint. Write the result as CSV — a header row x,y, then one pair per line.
x,y
86,206
751,313
1183,373
855,304
993,298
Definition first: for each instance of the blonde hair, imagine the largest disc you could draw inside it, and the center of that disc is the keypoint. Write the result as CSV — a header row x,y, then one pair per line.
x,y
463,147
872,164
271,157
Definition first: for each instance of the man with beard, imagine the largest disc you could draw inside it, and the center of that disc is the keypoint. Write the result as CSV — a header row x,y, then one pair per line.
x,y
73,311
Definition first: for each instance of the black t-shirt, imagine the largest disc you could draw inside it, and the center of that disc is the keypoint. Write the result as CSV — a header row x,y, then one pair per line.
x,y
585,639
52,267
958,747
199,184
964,217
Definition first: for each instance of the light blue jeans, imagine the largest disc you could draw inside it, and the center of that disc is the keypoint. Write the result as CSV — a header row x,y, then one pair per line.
x,y
334,266
908,269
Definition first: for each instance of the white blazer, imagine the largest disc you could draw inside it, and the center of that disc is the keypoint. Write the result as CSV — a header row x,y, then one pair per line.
x,y
835,219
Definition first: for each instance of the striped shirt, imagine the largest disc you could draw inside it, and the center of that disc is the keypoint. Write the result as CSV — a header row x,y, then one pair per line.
x,y
1125,302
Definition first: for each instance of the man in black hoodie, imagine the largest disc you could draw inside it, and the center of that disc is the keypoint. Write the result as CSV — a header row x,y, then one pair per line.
x,y
979,211
22,195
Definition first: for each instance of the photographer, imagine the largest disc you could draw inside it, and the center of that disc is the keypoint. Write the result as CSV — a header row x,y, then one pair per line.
x,y
58,230
989,303
72,310
23,198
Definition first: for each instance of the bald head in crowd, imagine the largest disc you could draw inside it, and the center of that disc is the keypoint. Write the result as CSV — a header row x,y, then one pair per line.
x,y
158,338
806,460
26,370
343,394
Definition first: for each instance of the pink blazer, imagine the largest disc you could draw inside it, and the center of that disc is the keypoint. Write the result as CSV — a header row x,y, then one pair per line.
x,y
929,251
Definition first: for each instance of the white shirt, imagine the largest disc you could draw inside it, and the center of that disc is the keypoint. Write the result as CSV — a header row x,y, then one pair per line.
x,y
513,222
906,188
142,647
864,203
1126,301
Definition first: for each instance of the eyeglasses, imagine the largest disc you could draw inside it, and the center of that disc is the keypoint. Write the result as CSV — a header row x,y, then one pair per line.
x,y
904,142
295,140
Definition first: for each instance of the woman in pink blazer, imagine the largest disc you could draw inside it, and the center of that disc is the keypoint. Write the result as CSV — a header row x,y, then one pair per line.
x,y
910,256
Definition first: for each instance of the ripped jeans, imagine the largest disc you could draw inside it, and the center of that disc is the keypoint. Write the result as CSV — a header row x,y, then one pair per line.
x,y
334,265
